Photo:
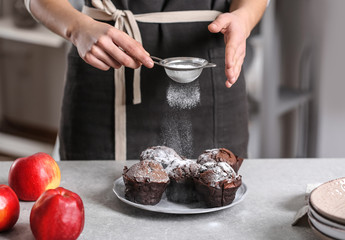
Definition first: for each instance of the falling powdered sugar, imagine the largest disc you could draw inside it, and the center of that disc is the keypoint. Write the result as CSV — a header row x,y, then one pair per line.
x,y
177,125
177,132
183,96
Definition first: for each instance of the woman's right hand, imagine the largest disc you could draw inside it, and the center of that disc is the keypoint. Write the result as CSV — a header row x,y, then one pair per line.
x,y
103,46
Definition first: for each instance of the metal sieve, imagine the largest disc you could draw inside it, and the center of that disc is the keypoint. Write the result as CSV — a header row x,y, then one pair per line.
x,y
183,69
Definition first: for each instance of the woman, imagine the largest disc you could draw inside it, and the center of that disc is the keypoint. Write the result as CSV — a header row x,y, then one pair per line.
x,y
94,127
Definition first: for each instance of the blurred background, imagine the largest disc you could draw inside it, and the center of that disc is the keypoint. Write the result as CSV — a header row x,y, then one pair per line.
x,y
294,73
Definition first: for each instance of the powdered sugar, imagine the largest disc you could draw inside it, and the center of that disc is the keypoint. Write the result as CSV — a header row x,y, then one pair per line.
x,y
177,124
147,170
161,154
208,155
181,169
178,168
217,172
171,161
177,132
183,96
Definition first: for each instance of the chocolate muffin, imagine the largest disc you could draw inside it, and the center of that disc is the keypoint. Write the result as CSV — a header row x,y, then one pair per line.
x,y
161,154
181,188
221,155
181,172
145,182
217,183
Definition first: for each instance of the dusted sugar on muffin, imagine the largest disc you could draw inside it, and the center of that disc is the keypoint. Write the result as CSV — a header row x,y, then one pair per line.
x,y
221,155
161,154
181,173
217,183
145,182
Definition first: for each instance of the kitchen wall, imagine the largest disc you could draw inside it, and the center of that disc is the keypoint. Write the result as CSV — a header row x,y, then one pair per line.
x,y
32,72
331,113
308,44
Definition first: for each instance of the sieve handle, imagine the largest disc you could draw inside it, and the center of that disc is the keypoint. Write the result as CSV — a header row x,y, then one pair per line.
x,y
210,65
158,59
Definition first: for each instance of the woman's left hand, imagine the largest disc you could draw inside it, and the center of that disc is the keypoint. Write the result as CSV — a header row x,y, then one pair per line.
x,y
235,35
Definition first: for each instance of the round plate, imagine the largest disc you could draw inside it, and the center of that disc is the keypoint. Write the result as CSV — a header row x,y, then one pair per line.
x,y
327,230
165,206
324,220
328,200
318,233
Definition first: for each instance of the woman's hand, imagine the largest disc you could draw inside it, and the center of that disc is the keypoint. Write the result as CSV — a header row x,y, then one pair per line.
x,y
103,46
235,34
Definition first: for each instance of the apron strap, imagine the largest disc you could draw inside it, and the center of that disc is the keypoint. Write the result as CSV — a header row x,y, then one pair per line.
x,y
158,17
126,21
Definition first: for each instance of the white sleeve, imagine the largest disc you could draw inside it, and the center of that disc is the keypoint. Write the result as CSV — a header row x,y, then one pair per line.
x,y
27,5
268,2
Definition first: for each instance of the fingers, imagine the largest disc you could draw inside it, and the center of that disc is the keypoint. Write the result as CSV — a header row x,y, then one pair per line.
x,y
104,57
234,65
95,62
233,73
104,46
235,40
230,53
116,53
228,84
221,22
132,48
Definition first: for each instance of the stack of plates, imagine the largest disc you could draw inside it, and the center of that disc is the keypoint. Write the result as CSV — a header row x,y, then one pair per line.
x,y
327,210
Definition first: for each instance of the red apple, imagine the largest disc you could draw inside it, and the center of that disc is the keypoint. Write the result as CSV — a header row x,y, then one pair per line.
x,y
9,208
57,214
30,176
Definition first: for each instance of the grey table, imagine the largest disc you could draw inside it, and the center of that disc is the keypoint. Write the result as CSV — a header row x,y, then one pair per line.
x,y
276,190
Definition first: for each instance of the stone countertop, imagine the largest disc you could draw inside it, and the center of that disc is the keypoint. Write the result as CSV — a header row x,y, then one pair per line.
x,y
276,190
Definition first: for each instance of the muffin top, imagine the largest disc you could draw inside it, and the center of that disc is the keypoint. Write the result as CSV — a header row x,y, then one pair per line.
x,y
161,154
215,173
218,155
180,170
146,171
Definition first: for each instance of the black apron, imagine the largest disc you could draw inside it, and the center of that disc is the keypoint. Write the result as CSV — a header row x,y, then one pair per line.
x,y
220,119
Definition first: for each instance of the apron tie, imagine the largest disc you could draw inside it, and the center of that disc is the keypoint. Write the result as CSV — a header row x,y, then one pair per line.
x,y
124,21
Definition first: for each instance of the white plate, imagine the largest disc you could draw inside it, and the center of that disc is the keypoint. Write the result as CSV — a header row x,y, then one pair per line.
x,y
326,229
328,200
318,233
165,206
324,220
